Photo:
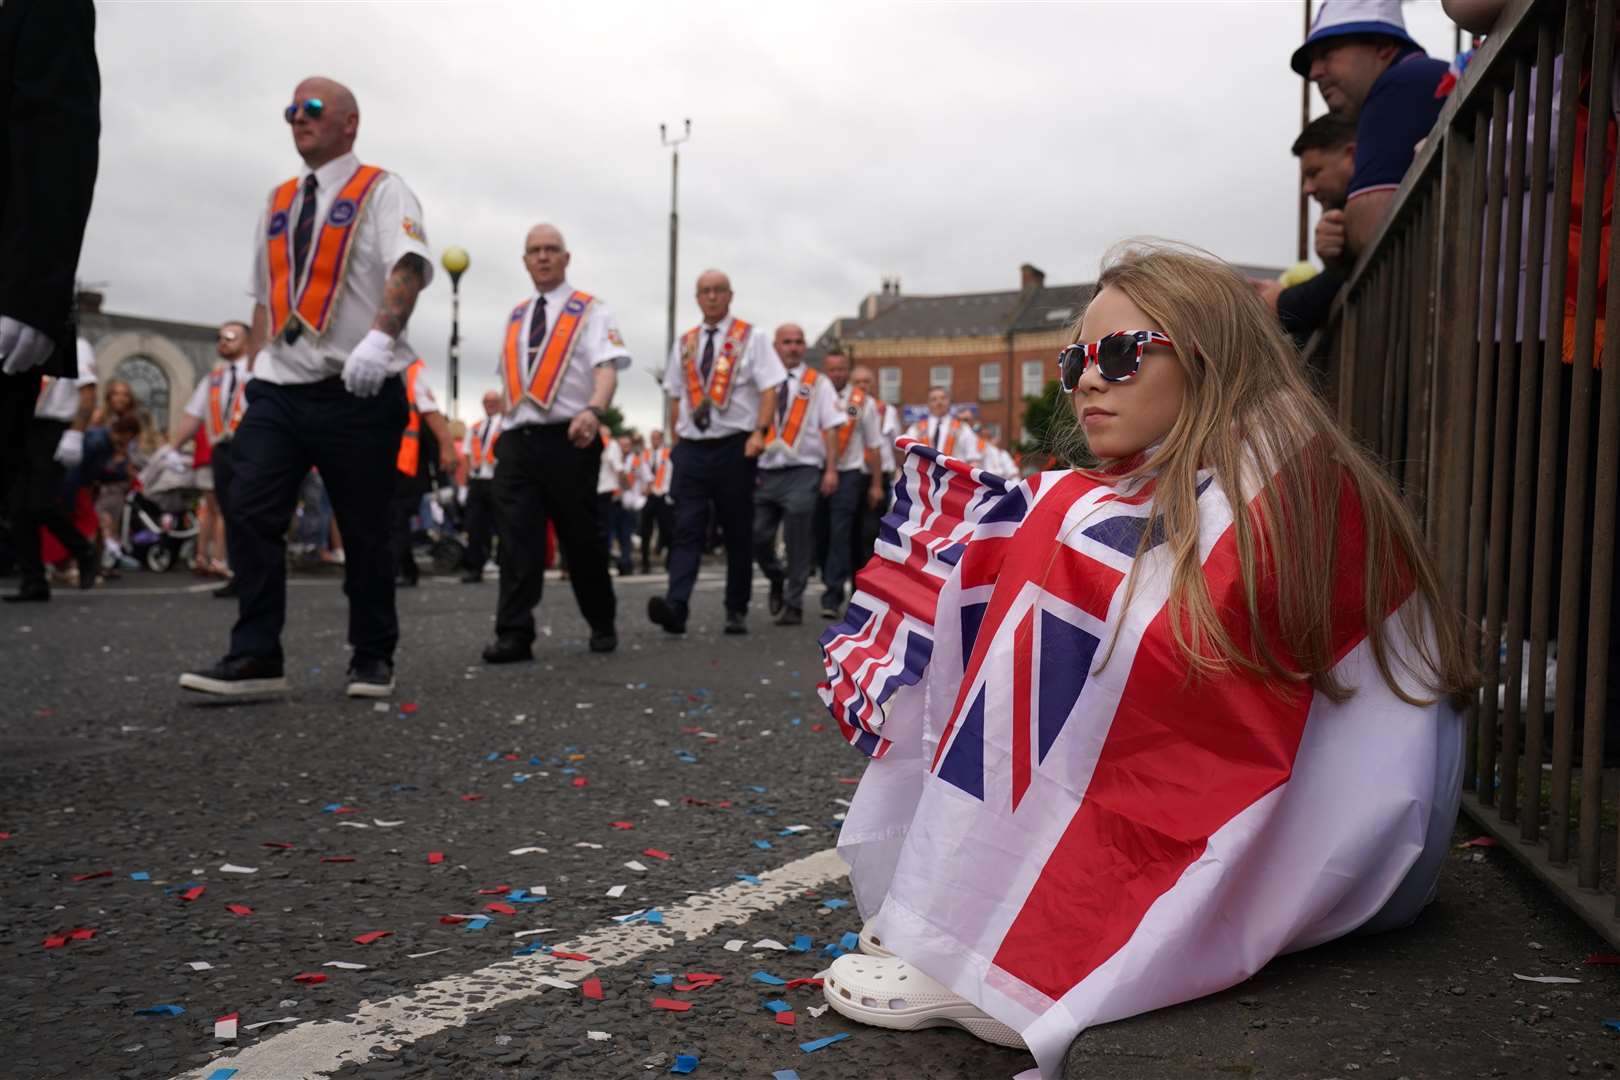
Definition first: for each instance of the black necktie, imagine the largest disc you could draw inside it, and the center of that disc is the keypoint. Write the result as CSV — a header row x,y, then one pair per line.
x,y
781,401
939,433
708,353
303,232
537,328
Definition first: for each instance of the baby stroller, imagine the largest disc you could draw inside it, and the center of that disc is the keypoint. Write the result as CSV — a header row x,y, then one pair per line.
x,y
158,526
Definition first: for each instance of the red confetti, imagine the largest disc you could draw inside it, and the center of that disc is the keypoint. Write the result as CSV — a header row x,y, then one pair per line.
x,y
580,781
347,810
592,988
818,727
496,891
277,844
501,909
654,853
848,780
82,934
435,858
191,894
408,707
1480,841
471,798
698,980
5,836
786,1018
690,730
568,955
55,941
374,935
452,920
1603,959
672,1006
309,977
621,824
791,983
337,858
92,877
510,757
723,804
238,909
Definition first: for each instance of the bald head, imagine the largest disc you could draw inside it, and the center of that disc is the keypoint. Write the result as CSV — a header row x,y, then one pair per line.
x,y
330,135
789,342
713,295
545,257
492,402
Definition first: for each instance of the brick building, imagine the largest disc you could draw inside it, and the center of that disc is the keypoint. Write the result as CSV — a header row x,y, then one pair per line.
x,y
990,349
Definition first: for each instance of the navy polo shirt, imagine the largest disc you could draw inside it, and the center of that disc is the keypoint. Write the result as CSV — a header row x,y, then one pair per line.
x,y
1400,110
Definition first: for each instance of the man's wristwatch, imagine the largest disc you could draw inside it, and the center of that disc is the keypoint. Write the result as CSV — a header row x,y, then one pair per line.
x,y
597,412
763,431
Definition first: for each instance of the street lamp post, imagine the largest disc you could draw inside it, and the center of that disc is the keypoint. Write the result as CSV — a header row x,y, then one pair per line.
x,y
674,219
455,260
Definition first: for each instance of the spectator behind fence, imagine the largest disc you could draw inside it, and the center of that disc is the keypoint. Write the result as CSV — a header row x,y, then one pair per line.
x,y
1327,156
1369,70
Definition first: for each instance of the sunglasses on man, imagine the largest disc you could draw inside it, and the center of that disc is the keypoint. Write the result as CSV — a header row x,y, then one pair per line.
x,y
1118,356
313,107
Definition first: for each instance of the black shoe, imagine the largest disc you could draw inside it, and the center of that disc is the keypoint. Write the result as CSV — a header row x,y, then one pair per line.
x,y
403,582
831,611
31,592
508,650
472,577
736,622
604,641
238,676
226,591
778,596
89,567
371,678
791,617
672,617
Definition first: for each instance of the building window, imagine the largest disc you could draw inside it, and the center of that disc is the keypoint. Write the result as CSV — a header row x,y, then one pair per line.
x,y
940,375
150,385
989,382
889,384
1034,382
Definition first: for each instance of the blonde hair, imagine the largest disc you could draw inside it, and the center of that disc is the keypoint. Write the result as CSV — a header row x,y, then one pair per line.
x,y
1249,415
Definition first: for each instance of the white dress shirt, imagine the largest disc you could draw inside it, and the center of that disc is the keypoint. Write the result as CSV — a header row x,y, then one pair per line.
x,y
822,413
59,398
868,431
484,432
197,404
607,474
964,447
889,425
389,229
597,341
423,398
757,369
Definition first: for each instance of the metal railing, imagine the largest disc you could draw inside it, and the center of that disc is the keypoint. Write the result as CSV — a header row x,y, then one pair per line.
x,y
1484,411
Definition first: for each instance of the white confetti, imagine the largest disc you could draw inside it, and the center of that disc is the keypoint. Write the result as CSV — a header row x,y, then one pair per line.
x,y
200,965
354,825
531,933
583,705
636,866
598,1036
267,1023
554,982
345,965
527,851
538,890
588,844
616,892
797,828
1545,978
419,955
225,1027
735,945
770,943
381,824
379,707
232,868
660,802
817,1010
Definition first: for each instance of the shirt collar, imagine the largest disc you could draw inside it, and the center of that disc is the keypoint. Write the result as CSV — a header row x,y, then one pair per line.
x,y
723,325
330,177
556,296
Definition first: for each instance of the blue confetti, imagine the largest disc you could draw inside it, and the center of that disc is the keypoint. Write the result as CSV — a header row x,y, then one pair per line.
x,y
776,1005
535,761
835,904
687,756
140,875
161,1010
569,772
1612,1025
493,756
795,721
750,878
802,943
821,1044
662,980
850,941
684,1063
221,1074
530,949
756,789
520,778
763,845
331,808
477,922
785,1074
767,978
832,948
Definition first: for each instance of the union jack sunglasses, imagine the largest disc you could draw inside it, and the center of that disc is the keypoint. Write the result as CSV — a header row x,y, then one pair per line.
x,y
1117,356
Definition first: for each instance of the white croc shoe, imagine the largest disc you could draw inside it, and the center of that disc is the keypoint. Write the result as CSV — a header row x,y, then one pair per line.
x,y
887,992
871,944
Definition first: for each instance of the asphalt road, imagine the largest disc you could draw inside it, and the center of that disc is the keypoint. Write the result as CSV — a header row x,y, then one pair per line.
x,y
123,803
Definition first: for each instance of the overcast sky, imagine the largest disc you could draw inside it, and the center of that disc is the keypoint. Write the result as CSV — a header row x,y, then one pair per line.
x,y
832,144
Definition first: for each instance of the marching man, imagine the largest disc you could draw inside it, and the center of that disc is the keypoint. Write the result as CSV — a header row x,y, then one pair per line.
x,y
559,368
656,515
860,480
413,477
866,533
946,433
341,258
479,450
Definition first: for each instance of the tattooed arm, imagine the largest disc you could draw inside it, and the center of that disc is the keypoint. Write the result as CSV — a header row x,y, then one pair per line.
x,y
405,280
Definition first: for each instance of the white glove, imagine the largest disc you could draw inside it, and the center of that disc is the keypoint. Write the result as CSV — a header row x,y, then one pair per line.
x,y
367,366
22,347
170,459
70,448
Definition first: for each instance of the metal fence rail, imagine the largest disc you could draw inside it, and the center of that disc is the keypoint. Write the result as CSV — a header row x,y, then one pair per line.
x,y
1503,426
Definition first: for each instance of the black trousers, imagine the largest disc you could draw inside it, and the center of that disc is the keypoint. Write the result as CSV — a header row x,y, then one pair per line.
x,y
713,471
353,441
843,513
224,474
480,522
36,500
540,476
400,511
863,538
659,515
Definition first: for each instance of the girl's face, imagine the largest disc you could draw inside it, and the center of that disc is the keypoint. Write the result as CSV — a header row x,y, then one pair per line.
x,y
1123,418
119,398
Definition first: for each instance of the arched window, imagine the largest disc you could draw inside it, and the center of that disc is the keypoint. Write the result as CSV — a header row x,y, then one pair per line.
x,y
151,386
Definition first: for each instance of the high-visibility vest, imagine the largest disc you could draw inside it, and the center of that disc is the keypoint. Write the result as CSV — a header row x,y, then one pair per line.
x,y
478,430
311,301
553,359
857,399
718,391
794,422
222,418
410,441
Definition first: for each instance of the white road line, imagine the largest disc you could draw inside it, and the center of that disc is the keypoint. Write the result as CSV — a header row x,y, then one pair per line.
x,y
323,1046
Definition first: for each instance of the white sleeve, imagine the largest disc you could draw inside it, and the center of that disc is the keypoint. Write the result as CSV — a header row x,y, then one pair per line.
x,y
871,427
258,286
87,363
467,442
831,413
197,404
425,401
395,216
768,372
606,342
672,372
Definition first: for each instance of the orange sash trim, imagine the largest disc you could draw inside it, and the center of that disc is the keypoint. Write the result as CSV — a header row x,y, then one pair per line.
x,y
312,303
410,440
553,361
789,435
223,416
948,446
660,484
478,429
857,400
725,366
